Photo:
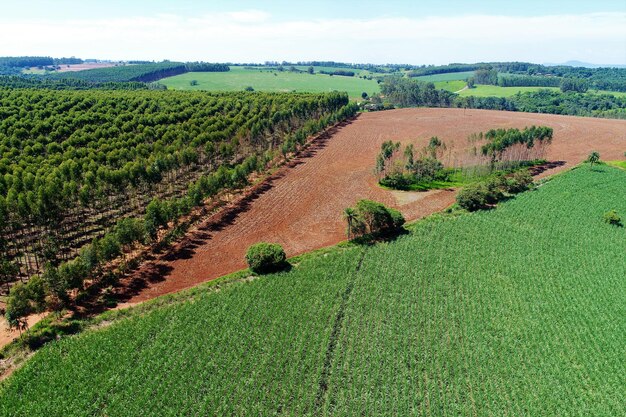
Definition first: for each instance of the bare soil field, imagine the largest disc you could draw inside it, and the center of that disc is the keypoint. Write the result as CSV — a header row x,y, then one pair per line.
x,y
301,205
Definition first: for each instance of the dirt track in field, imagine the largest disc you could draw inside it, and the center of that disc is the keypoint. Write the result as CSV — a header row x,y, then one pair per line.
x,y
301,206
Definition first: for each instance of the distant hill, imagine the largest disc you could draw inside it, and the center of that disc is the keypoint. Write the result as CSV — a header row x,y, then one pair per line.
x,y
574,63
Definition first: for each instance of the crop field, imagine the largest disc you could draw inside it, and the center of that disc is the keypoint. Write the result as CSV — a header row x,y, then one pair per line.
x,y
238,78
448,76
473,314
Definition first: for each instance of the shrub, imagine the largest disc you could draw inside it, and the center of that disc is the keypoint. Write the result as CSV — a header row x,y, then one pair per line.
x,y
23,300
611,217
493,190
518,182
473,197
371,217
397,181
265,257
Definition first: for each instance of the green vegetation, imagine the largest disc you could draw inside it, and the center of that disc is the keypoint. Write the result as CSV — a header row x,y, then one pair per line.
x,y
47,83
122,73
483,90
83,161
618,164
406,92
483,314
449,76
453,86
265,257
496,152
593,158
486,193
372,219
611,217
411,169
238,78
552,102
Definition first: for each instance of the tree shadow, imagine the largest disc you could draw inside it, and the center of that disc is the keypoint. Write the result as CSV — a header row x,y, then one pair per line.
x,y
284,266
373,238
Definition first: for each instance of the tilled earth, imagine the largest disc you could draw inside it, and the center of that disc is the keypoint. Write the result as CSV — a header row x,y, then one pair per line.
x,y
301,206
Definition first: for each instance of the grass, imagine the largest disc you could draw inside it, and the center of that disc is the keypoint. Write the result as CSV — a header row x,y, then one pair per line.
x,y
496,91
238,78
449,76
512,311
453,86
618,164
483,90
615,93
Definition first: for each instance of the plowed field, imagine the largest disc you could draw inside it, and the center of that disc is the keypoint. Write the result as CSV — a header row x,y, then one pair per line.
x,y
301,206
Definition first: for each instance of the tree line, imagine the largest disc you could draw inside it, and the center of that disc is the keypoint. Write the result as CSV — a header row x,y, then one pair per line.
x,y
407,92
140,72
552,102
38,82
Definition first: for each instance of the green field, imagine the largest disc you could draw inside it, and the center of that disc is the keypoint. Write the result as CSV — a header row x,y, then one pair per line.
x,y
619,164
448,76
453,86
238,78
615,93
514,311
496,91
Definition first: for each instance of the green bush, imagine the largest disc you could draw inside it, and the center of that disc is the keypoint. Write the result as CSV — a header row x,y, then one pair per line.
x,y
371,217
473,197
397,181
518,182
265,257
611,217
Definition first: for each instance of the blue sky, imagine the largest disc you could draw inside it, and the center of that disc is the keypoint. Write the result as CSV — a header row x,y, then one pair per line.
x,y
416,32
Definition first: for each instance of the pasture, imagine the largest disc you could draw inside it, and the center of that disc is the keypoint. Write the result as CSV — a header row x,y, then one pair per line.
x,y
453,86
482,90
239,78
512,311
448,76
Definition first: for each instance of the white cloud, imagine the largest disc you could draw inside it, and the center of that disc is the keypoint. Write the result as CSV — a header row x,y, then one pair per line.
x,y
253,36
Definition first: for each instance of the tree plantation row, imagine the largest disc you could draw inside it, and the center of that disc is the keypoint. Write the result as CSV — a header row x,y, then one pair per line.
x,y
73,163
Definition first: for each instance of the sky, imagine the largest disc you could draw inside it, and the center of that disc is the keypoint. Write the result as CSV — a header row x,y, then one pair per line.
x,y
364,31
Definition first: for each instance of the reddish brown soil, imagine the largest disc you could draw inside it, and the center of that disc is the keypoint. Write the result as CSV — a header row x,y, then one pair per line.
x,y
301,206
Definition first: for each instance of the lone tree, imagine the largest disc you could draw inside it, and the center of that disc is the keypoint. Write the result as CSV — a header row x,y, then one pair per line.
x,y
266,257
373,218
594,158
364,95
350,215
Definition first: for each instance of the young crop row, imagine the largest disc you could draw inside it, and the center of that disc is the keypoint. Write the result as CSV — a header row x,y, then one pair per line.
x,y
512,311
516,311
253,348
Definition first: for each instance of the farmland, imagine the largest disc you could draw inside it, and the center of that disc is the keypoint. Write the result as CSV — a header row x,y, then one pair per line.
x,y
302,213
497,91
453,86
239,78
447,76
436,317
84,160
